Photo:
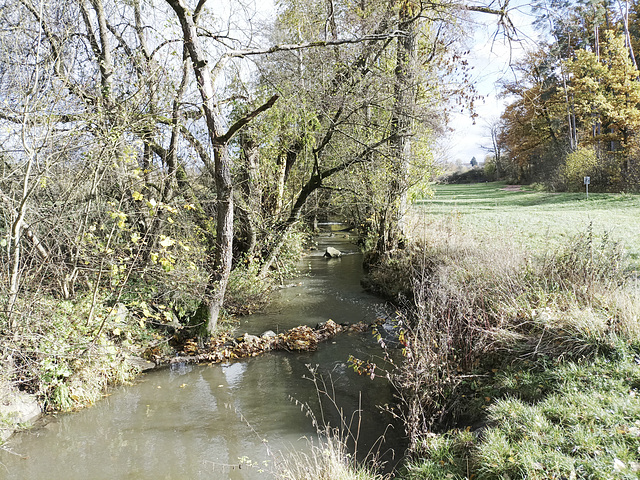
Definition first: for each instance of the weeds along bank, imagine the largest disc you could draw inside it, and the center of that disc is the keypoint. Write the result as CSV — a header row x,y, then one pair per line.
x,y
518,364
64,354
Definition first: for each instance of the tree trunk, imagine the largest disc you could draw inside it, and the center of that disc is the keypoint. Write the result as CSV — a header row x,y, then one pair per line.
x,y
220,265
401,126
223,254
252,191
14,244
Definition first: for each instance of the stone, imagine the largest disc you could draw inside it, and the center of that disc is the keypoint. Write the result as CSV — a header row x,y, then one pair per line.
x,y
17,408
269,334
331,252
140,363
251,339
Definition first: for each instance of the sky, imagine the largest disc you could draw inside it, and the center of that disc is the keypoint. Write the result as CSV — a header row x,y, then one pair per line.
x,y
491,57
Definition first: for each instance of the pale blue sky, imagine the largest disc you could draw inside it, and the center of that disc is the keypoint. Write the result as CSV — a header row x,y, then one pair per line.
x,y
490,56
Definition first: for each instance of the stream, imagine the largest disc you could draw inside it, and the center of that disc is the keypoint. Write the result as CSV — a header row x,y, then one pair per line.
x,y
231,421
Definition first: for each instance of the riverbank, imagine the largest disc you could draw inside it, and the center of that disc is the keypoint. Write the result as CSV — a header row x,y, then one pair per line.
x,y
19,409
521,362
225,412
60,355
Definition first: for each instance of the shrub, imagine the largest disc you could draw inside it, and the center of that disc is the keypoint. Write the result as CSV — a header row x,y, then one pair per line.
x,y
602,167
579,164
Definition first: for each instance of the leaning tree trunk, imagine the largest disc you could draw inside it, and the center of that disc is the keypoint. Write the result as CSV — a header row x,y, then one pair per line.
x,y
220,265
222,255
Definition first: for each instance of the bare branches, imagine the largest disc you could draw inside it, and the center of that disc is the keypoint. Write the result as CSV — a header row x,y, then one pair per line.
x,y
315,44
377,37
246,119
504,21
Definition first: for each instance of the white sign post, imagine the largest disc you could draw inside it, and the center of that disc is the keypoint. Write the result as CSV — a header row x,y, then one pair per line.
x,y
587,181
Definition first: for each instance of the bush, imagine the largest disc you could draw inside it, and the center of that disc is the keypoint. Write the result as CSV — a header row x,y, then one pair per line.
x,y
579,164
473,175
603,168
490,170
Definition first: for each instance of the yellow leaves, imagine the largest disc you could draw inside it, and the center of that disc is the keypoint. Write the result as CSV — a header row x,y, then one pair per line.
x,y
168,208
190,347
119,217
166,242
166,263
137,196
605,87
145,310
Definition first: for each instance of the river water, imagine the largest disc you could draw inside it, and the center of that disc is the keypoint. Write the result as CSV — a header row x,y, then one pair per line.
x,y
237,420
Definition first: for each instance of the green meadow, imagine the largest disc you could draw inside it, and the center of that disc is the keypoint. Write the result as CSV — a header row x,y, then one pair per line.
x,y
537,220
530,328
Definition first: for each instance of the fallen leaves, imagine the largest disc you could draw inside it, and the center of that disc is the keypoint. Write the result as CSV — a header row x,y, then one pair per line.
x,y
222,349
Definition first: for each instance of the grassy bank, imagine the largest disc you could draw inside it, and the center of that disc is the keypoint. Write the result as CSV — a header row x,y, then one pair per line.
x,y
523,344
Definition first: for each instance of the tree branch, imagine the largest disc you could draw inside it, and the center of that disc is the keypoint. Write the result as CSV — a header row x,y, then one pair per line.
x,y
300,46
318,43
504,20
361,157
246,119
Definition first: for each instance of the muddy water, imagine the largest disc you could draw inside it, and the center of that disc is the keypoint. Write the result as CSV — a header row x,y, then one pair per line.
x,y
229,421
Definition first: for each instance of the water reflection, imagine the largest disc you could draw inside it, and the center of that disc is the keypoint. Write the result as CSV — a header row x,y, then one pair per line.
x,y
225,421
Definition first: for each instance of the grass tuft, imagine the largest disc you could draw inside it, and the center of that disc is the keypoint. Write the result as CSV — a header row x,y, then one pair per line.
x,y
327,460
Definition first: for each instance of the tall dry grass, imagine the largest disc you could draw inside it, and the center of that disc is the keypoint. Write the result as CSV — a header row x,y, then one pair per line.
x,y
328,459
473,306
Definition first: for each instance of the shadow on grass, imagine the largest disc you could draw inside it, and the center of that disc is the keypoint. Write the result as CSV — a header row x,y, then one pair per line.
x,y
493,195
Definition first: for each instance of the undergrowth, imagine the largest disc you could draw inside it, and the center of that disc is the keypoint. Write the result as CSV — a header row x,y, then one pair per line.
x,y
515,366
67,361
68,352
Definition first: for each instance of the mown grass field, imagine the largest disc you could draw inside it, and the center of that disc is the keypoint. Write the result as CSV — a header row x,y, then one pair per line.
x,y
537,220
552,324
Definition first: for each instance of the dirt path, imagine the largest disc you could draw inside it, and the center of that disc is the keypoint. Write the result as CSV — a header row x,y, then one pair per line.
x,y
512,188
